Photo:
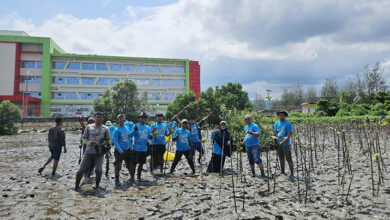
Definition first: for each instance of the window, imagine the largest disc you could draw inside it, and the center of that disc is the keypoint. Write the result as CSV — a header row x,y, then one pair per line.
x,y
148,68
116,67
142,82
38,79
178,82
154,96
87,95
88,81
27,79
39,64
59,65
173,69
73,80
57,95
88,66
155,82
169,96
101,66
73,66
71,95
99,95
127,67
58,80
36,94
28,64
113,81
102,81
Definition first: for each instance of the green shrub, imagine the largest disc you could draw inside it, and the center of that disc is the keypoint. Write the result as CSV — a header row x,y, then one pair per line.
x,y
8,112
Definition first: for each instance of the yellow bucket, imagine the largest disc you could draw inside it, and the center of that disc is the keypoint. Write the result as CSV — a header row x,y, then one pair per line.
x,y
171,156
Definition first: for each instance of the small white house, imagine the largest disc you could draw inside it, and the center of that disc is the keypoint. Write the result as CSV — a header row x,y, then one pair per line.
x,y
309,107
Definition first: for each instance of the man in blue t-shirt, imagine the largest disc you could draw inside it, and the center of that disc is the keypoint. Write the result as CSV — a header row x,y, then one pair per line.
x,y
157,148
283,131
252,144
142,134
183,141
122,140
196,137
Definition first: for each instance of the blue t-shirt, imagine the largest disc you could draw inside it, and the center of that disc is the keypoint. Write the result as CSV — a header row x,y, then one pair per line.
x,y
122,138
141,137
194,133
129,124
162,130
216,148
283,128
173,125
183,142
112,128
251,140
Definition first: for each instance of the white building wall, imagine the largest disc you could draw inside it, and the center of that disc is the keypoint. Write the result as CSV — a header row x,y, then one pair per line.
x,y
7,68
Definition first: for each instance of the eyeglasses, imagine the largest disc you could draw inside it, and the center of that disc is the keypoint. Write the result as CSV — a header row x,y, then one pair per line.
x,y
247,119
185,123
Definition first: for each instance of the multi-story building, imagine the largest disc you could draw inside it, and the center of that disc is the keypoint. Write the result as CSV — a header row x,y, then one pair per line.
x,y
45,81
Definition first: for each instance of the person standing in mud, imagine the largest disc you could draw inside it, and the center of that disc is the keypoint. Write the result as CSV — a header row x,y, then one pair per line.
x,y
252,144
142,133
196,137
122,140
283,131
82,145
221,148
93,136
159,131
56,138
183,141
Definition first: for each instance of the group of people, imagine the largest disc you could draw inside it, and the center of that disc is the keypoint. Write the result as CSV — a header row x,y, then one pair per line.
x,y
134,142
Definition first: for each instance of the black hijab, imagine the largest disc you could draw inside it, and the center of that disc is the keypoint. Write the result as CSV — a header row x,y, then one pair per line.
x,y
223,135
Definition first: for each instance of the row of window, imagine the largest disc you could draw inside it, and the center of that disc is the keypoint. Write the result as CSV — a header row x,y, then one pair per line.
x,y
74,95
31,79
117,67
33,94
93,95
31,64
112,81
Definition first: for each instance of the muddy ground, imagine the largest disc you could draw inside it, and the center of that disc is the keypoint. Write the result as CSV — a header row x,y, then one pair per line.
x,y
24,194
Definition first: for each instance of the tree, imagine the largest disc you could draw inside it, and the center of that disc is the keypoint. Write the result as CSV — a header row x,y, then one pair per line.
x,y
374,79
326,108
349,91
292,97
230,95
311,94
329,89
122,98
8,112
258,103
188,103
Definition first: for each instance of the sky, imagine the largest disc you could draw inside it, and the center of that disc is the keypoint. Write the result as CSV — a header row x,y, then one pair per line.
x,y
262,44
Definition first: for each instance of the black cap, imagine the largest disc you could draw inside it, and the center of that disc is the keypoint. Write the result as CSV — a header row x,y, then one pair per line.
x,y
142,115
282,112
99,113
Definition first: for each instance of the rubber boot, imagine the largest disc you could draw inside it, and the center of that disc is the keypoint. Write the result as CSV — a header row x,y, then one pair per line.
x,y
98,178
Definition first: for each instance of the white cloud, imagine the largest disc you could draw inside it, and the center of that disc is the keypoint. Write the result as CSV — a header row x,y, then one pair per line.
x,y
105,3
311,34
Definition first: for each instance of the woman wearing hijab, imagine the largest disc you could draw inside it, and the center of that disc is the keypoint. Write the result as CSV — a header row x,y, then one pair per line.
x,y
221,148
